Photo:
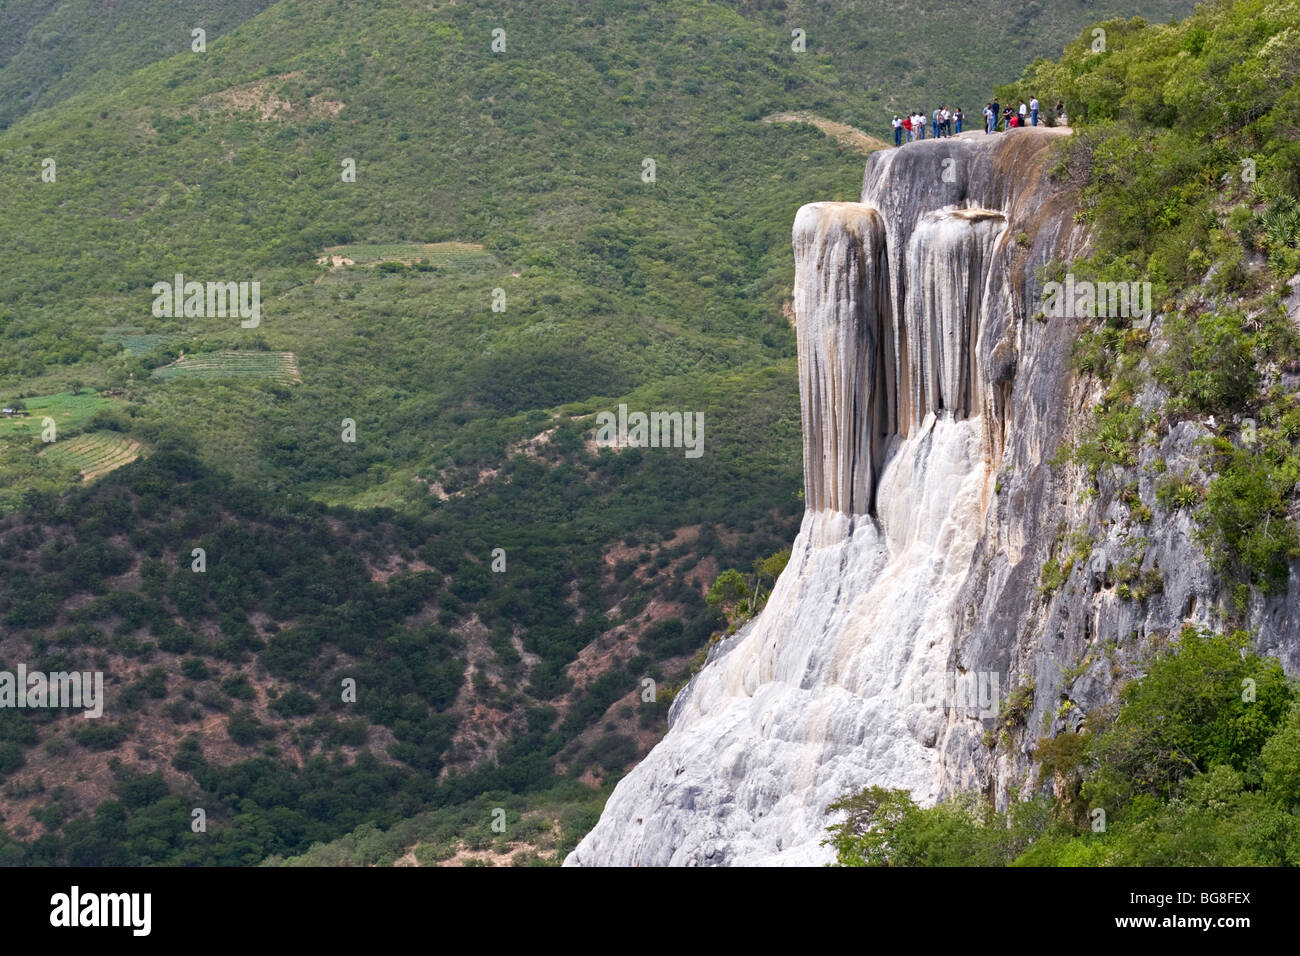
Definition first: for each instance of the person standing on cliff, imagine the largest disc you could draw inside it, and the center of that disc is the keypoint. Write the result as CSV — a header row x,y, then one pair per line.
x,y
1024,113
957,117
993,120
898,131
1033,111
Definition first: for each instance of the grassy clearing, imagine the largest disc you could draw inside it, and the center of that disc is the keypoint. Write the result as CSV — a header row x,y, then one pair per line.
x,y
279,367
67,410
461,256
96,454
539,829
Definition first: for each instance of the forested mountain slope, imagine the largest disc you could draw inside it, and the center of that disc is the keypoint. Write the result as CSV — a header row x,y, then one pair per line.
x,y
503,265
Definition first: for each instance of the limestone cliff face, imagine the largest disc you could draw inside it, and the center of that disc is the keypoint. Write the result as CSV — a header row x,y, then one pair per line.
x,y
932,401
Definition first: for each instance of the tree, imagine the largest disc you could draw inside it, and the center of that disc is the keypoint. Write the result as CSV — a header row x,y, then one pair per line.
x,y
1281,759
1204,703
886,828
729,588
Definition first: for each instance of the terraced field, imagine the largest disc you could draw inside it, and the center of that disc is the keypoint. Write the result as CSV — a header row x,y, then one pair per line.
x,y
456,256
95,454
279,367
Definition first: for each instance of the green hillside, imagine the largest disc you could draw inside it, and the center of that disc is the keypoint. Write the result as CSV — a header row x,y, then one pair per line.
x,y
887,58
514,269
53,49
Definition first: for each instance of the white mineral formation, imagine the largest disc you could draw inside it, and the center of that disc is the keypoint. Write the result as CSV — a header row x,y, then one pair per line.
x,y
845,680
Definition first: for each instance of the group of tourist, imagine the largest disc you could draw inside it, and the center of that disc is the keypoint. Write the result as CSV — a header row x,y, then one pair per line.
x,y
943,122
947,123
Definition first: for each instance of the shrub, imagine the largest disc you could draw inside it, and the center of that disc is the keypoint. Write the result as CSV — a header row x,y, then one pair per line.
x,y
1244,522
194,669
1209,365
294,703
1186,714
237,686
245,729
729,587
99,736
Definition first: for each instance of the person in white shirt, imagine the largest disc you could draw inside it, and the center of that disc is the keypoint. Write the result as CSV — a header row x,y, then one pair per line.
x,y
898,131
1033,111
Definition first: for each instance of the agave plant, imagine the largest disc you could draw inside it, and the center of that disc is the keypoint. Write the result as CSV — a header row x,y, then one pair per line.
x,y
1281,222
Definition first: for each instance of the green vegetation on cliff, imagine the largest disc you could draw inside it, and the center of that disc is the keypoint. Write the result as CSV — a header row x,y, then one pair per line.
x,y
1200,766
1186,159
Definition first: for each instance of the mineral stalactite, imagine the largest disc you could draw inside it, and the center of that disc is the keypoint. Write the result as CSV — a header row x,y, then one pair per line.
x,y
840,297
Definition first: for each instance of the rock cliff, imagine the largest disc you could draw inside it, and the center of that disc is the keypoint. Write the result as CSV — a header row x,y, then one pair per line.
x,y
933,398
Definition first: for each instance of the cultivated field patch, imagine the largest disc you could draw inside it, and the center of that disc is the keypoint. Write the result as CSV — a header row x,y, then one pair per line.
x,y
279,367
96,454
454,256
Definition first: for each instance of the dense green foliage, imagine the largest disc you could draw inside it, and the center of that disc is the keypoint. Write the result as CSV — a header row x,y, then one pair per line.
x,y
303,571
896,57
611,283
1187,161
1199,766
53,49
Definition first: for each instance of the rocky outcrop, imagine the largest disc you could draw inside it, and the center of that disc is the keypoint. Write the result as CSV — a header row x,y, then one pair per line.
x,y
933,399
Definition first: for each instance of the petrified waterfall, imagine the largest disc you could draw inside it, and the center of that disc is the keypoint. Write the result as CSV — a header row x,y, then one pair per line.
x,y
841,294
913,311
867,371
